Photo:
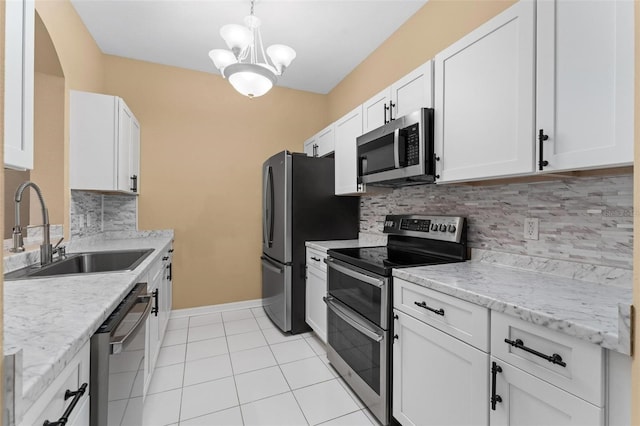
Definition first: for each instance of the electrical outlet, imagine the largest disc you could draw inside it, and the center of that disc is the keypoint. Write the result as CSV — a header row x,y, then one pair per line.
x,y
531,228
88,219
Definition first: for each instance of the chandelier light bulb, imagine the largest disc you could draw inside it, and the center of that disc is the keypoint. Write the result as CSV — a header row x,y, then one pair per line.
x,y
281,56
222,58
237,37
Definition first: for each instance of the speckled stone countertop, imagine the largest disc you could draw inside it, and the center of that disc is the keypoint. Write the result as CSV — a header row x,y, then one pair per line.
x,y
591,311
50,319
364,240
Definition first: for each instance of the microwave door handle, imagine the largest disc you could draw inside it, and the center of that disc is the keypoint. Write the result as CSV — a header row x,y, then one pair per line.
x,y
396,148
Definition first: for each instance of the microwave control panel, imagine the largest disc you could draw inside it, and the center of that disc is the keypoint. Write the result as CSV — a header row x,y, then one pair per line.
x,y
412,135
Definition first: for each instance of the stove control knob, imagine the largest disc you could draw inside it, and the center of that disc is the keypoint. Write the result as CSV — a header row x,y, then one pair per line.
x,y
434,226
443,227
452,228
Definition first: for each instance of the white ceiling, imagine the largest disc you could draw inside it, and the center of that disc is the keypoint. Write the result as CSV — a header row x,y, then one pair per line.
x,y
331,37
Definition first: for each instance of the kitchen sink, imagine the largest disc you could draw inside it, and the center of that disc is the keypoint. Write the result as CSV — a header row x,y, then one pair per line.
x,y
85,263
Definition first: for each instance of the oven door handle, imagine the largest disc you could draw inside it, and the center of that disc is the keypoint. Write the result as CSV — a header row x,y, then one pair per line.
x,y
354,274
351,320
118,345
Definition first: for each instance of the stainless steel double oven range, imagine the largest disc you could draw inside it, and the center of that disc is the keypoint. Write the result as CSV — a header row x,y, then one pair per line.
x,y
359,299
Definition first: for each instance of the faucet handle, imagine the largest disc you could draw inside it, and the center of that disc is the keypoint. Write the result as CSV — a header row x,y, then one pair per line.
x,y
58,243
61,251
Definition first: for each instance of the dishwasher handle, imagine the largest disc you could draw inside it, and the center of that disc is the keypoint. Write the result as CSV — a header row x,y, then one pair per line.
x,y
120,342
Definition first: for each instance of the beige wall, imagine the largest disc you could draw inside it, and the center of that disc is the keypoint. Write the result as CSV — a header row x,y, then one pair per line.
x,y
80,60
432,28
48,162
202,148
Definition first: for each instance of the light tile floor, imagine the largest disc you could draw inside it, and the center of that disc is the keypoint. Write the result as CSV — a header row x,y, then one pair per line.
x,y
237,368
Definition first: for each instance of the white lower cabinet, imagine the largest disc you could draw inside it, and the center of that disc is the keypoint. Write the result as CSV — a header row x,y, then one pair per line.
x,y
437,379
52,404
527,400
316,289
533,375
154,334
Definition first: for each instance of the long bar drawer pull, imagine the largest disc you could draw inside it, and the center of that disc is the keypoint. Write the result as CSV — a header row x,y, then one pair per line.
x,y
554,359
317,259
65,416
495,369
435,311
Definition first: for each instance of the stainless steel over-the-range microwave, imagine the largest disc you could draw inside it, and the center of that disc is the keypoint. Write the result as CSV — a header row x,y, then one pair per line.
x,y
399,153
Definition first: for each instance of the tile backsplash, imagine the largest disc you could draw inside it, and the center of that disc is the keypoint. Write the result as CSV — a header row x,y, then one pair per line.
x,y
93,213
581,219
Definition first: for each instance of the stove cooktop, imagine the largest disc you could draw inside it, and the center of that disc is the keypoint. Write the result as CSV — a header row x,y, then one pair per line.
x,y
381,260
413,240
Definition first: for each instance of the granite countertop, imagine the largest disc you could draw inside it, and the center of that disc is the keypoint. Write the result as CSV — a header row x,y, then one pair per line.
x,y
592,311
50,319
364,240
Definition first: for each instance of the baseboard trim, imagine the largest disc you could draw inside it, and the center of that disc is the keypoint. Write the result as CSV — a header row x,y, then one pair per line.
x,y
202,310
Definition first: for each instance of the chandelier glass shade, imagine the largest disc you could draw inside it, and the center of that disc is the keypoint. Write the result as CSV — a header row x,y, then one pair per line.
x,y
245,64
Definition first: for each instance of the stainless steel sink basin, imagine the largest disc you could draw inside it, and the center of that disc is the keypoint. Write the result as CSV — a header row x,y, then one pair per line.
x,y
85,263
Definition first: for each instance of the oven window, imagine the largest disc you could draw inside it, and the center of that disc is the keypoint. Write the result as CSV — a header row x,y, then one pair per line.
x,y
360,296
361,353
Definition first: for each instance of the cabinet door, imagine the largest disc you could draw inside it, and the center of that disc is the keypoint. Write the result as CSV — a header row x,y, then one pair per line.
x,y
527,400
154,336
134,156
316,309
348,128
375,111
93,135
325,141
484,99
585,83
310,147
437,379
18,84
167,294
413,91
125,146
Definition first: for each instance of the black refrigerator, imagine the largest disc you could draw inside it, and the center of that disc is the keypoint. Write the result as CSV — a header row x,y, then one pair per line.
x,y
298,205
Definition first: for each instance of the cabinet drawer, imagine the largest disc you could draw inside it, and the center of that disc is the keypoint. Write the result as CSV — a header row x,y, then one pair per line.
x,y
316,259
583,372
461,319
51,404
155,270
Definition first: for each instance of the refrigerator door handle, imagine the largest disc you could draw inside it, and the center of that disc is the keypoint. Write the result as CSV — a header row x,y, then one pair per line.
x,y
270,266
268,216
271,204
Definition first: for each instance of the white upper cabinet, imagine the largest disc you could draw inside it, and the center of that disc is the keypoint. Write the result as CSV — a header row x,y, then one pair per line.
x,y
585,83
413,91
310,146
484,99
325,140
347,130
18,84
104,144
321,144
376,111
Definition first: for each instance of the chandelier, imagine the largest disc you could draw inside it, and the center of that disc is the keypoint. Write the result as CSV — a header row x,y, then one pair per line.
x,y
245,65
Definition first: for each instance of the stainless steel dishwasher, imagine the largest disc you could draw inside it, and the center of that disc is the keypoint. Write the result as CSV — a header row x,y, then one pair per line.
x,y
117,362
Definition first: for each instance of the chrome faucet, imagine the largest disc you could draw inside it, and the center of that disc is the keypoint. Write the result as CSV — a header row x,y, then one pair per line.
x,y
46,250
